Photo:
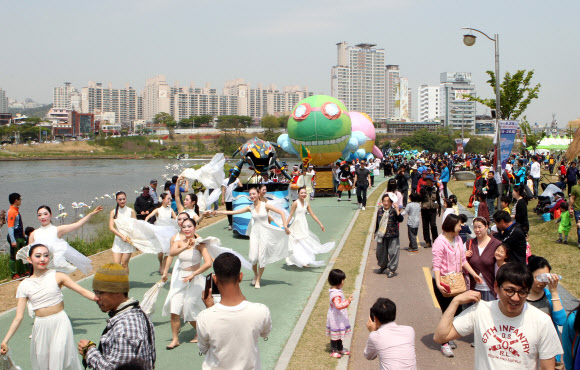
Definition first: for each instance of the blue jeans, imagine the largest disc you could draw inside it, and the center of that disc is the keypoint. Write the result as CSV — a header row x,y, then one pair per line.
x,y
576,217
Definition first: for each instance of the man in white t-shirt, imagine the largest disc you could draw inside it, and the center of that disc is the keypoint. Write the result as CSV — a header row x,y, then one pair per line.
x,y
508,333
228,332
227,196
535,172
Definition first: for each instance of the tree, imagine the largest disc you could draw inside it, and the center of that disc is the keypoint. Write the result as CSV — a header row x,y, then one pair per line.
x,y
270,122
516,93
532,139
186,122
165,119
283,121
199,121
233,123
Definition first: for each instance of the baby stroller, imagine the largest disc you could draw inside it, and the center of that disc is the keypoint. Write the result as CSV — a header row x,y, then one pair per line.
x,y
546,198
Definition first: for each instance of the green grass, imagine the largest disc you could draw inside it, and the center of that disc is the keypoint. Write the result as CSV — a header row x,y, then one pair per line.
x,y
563,258
4,270
310,352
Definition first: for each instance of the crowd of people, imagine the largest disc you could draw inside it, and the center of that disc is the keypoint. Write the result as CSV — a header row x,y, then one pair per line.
x,y
486,280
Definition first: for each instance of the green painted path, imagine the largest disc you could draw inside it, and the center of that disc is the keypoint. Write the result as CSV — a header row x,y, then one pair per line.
x,y
285,290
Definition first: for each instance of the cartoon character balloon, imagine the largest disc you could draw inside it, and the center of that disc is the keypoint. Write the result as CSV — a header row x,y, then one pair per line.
x,y
321,124
363,123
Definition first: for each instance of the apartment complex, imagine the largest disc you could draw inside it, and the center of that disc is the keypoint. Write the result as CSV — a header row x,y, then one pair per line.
x,y
428,103
99,99
391,88
62,96
358,79
455,108
3,102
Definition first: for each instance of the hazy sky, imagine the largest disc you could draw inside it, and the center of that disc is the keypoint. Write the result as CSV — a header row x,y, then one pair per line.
x,y
46,43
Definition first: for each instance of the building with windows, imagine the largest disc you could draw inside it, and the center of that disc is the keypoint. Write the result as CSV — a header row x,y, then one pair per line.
x,y
393,75
455,109
61,96
156,97
428,103
358,79
98,99
3,102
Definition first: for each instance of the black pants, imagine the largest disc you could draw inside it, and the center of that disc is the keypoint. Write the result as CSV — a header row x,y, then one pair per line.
x,y
429,218
412,233
336,345
445,190
444,302
361,194
372,181
230,207
340,194
570,184
405,194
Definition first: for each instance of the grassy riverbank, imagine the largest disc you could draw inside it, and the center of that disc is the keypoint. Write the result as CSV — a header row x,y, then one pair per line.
x,y
542,238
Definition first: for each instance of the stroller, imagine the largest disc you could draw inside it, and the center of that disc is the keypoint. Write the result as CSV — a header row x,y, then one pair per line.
x,y
546,198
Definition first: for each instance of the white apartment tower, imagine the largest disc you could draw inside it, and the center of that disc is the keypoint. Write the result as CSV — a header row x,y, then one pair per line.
x,y
358,79
3,102
393,75
62,96
428,102
99,99
454,107
156,97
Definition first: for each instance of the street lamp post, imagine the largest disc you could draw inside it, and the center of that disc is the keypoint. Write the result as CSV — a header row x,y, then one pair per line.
x,y
469,40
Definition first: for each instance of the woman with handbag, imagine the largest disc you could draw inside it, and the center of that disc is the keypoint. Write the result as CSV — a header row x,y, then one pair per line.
x,y
481,257
448,261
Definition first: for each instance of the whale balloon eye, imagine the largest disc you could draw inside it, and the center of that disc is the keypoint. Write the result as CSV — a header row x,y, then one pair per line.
x,y
331,110
301,112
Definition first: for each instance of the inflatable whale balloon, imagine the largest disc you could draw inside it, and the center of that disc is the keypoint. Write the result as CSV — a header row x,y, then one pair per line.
x,y
322,124
361,122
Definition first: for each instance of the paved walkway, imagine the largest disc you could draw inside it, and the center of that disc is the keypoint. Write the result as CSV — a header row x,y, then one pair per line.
x,y
285,290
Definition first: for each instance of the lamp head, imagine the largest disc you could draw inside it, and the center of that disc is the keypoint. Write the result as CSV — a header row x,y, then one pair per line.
x,y
469,40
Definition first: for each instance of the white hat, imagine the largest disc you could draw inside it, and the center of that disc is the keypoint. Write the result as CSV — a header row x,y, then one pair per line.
x,y
393,197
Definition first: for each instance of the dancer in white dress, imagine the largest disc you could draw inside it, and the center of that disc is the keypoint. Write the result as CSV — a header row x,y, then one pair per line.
x,y
268,243
52,345
64,257
122,247
189,204
304,244
164,217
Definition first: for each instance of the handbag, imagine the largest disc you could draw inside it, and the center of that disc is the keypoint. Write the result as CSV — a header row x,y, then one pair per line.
x,y
454,284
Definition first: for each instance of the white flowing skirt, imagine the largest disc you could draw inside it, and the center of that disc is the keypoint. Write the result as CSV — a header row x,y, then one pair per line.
x,y
53,345
186,298
304,250
64,258
147,238
268,244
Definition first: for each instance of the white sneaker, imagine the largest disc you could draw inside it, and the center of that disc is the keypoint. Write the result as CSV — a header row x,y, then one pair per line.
x,y
339,199
363,208
452,344
446,350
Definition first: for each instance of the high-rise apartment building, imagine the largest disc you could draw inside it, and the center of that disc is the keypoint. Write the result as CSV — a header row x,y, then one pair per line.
x,y
62,96
428,103
3,102
455,108
393,74
99,99
411,116
358,79
156,97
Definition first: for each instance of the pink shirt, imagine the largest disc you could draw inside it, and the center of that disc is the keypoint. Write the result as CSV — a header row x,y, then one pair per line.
x,y
447,259
395,346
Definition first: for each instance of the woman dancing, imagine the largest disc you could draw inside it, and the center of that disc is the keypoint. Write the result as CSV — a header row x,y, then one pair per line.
x,y
189,203
304,244
52,345
268,243
122,247
344,184
165,217
64,257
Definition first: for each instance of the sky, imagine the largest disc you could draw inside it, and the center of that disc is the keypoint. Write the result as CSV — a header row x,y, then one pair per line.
x,y
46,43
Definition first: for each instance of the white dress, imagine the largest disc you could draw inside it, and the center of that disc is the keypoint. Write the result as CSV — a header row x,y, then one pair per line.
x,y
147,238
185,299
304,243
164,217
268,243
119,246
64,257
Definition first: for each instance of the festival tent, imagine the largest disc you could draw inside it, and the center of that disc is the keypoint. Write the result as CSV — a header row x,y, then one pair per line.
x,y
552,143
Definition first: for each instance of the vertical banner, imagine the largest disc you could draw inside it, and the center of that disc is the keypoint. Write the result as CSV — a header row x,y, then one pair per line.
x,y
465,141
508,131
459,143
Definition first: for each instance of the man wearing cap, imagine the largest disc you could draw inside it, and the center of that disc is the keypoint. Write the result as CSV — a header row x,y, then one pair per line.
x,y
228,197
430,208
144,205
153,192
129,337
422,180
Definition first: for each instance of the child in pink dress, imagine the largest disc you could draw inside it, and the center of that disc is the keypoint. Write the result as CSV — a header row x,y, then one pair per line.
x,y
337,324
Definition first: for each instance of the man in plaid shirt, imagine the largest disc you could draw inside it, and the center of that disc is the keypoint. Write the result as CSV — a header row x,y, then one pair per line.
x,y
129,337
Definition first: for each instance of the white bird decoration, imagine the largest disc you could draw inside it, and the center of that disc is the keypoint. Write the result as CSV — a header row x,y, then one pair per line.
x,y
60,207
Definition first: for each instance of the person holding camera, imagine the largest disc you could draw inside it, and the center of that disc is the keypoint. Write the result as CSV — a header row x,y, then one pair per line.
x,y
393,344
430,208
228,331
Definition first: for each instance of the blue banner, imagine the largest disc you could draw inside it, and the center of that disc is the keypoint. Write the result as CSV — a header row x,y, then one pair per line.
x,y
508,131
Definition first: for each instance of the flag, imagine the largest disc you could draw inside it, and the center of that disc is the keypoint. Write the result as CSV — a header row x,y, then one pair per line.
x,y
305,156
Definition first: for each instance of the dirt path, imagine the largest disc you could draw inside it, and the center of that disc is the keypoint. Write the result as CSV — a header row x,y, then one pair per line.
x,y
8,290
411,292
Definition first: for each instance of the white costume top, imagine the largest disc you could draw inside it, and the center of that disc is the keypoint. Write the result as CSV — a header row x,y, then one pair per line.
x,y
164,217
304,243
41,292
119,246
268,243
63,258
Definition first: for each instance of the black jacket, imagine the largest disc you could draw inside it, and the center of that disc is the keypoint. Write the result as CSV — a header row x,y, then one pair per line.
x,y
492,191
143,204
515,238
402,182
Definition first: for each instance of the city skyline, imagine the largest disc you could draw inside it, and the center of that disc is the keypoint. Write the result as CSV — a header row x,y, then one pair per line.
x,y
260,43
